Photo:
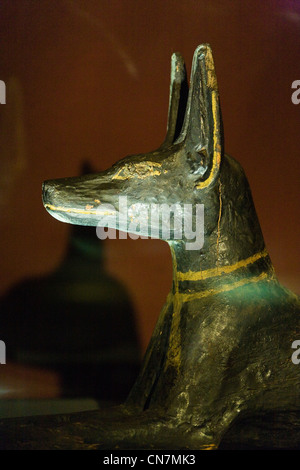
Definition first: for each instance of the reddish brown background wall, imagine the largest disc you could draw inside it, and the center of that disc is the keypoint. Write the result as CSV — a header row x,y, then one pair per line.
x,y
89,80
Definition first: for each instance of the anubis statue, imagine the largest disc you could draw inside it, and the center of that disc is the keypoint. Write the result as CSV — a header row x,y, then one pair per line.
x,y
221,351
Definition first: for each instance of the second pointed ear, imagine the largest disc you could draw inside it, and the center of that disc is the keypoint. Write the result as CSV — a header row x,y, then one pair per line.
x,y
177,99
203,125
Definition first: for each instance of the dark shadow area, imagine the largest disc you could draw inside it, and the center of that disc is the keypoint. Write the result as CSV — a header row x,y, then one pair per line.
x,y
77,321
265,431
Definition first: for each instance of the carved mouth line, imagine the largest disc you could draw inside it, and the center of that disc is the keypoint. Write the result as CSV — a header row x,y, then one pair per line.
x,y
78,211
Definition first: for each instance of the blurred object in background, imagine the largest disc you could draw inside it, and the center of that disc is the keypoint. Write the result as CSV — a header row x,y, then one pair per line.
x,y
12,141
77,321
18,381
42,389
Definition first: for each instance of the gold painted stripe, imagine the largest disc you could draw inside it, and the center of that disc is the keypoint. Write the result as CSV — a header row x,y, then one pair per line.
x,y
175,347
208,447
224,288
216,143
174,350
219,220
174,259
77,211
213,272
135,175
138,170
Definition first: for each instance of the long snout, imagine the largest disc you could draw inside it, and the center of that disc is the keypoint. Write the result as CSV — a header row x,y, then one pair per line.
x,y
76,200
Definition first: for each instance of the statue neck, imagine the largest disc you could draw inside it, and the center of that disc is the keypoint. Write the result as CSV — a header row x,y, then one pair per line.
x,y
234,251
199,273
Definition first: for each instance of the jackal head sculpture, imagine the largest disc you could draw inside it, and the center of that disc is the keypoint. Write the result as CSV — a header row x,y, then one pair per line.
x,y
188,168
211,356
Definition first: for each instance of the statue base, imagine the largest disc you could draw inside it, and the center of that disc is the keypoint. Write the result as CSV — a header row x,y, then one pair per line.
x,y
118,428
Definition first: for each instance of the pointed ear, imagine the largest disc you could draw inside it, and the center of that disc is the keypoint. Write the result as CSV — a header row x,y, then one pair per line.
x,y
202,131
177,99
